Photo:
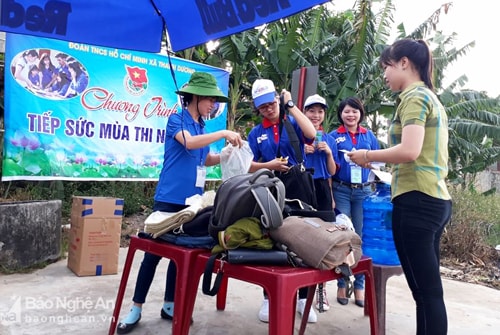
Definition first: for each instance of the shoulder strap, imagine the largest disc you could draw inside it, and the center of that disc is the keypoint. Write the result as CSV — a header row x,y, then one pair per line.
x,y
272,216
207,276
271,207
280,125
294,140
292,134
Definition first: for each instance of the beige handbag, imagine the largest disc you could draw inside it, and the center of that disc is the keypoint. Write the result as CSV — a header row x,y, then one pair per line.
x,y
322,245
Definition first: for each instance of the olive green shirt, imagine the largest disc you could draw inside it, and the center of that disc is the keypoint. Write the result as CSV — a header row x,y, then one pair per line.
x,y
418,105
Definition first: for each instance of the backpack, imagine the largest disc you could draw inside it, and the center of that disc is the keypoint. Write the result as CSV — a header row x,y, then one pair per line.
x,y
317,243
259,194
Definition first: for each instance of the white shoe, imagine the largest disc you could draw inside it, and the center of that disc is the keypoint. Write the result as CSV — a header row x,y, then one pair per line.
x,y
301,304
326,304
264,311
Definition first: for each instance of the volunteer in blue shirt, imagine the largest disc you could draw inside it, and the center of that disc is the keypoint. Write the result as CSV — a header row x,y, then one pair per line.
x,y
264,140
182,176
321,154
350,182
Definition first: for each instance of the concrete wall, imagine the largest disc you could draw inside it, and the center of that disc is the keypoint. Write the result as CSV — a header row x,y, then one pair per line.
x,y
30,233
487,180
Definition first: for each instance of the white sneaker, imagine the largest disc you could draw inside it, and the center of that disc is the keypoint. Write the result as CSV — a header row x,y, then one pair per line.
x,y
264,311
301,304
326,304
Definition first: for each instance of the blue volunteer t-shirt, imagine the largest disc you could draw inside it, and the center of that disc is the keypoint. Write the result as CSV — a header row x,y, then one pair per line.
x,y
317,159
263,140
178,175
345,140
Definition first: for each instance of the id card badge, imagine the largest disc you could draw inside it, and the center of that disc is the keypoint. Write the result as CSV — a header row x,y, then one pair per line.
x,y
201,176
356,175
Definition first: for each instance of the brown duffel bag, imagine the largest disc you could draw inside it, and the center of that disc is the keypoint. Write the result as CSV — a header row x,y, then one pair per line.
x,y
319,244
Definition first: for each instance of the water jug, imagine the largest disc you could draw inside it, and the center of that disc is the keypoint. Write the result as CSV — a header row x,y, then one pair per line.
x,y
378,242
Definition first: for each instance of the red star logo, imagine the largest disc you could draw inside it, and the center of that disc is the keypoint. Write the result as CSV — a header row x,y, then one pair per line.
x,y
137,75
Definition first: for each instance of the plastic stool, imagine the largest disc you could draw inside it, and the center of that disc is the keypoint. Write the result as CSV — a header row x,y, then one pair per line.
x,y
281,284
184,258
381,274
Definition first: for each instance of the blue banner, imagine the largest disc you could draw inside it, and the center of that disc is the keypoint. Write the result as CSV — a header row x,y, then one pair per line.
x,y
125,24
82,112
139,24
190,23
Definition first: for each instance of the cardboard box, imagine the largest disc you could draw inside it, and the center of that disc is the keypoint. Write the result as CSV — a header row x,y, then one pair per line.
x,y
94,237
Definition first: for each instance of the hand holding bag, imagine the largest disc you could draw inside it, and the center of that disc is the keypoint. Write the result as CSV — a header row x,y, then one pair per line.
x,y
235,161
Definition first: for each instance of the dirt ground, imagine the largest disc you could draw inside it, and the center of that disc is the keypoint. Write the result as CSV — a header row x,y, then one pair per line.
x,y
487,274
131,225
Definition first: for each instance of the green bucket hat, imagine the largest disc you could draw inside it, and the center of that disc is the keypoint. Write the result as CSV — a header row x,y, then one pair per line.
x,y
203,84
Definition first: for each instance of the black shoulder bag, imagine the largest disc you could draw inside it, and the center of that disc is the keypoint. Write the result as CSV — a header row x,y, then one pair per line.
x,y
298,181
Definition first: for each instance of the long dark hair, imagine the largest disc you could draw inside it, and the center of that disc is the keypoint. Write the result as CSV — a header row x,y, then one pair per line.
x,y
417,51
41,63
76,67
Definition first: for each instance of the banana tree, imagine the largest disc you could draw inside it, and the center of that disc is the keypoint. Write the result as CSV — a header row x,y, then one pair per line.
x,y
473,117
239,53
474,122
346,46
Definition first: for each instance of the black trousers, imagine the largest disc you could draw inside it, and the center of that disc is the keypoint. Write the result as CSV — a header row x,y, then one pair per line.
x,y
418,221
323,194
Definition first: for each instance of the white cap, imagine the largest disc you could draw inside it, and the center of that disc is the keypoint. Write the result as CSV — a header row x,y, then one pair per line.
x,y
315,99
263,92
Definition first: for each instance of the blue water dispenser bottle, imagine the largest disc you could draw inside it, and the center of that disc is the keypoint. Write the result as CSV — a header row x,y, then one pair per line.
x,y
378,242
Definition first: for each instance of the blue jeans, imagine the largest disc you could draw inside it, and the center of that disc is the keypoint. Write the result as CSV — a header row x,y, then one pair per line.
x,y
418,221
150,262
350,202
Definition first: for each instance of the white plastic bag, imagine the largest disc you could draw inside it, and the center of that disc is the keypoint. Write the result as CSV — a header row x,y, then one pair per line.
x,y
235,161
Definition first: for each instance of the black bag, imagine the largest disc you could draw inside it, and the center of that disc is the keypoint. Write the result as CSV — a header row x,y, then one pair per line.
x,y
256,256
299,184
259,194
198,226
192,234
297,207
240,256
298,181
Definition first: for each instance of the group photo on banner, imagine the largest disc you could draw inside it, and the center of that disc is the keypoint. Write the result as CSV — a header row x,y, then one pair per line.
x,y
81,112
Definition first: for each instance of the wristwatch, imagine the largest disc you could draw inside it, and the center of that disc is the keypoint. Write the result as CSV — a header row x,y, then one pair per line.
x,y
290,104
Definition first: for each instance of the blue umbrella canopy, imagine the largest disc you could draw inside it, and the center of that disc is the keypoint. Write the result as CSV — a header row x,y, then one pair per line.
x,y
140,24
